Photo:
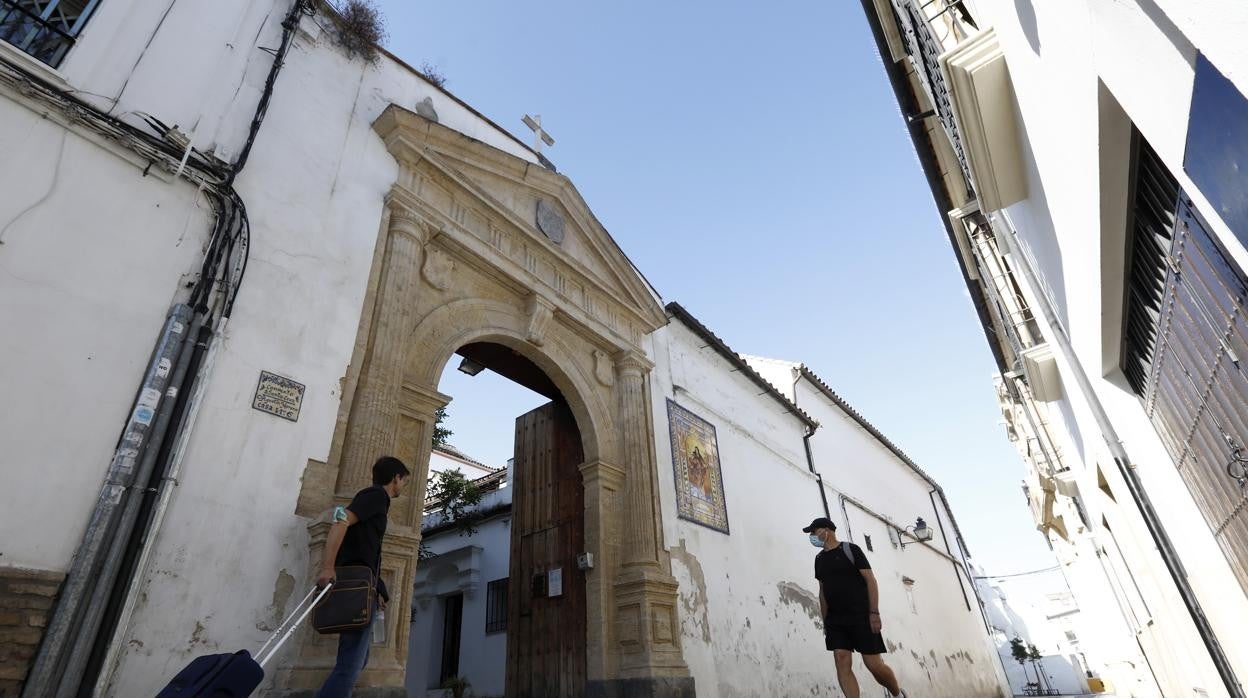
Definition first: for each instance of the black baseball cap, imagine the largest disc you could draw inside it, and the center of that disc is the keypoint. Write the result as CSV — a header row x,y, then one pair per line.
x,y
821,522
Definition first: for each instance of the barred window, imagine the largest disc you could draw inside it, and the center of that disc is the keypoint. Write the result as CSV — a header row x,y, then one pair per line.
x,y
45,29
496,606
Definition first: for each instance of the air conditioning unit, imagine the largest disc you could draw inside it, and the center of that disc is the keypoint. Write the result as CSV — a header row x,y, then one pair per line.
x,y
1040,368
982,96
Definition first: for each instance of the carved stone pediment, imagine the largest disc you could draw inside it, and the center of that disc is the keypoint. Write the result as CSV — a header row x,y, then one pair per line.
x,y
523,220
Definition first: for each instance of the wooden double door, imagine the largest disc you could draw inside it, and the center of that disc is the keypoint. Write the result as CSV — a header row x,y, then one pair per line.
x,y
546,599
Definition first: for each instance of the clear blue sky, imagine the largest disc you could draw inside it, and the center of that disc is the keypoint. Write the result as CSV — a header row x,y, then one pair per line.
x,y
749,157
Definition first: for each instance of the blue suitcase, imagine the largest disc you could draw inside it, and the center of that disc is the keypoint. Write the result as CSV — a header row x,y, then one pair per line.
x,y
217,675
235,675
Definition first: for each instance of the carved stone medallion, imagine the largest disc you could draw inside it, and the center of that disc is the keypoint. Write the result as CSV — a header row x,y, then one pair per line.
x,y
549,221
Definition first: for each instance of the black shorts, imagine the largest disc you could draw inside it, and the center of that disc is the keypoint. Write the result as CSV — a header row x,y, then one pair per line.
x,y
852,635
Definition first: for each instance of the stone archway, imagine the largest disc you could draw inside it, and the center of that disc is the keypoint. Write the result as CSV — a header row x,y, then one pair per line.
x,y
480,246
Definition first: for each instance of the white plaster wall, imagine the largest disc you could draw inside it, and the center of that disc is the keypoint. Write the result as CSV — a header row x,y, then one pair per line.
x,y
957,657
94,254
482,656
1142,52
749,610
1102,624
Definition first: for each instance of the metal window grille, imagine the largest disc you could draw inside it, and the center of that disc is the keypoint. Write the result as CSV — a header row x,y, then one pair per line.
x,y
45,29
1186,333
868,541
924,50
496,606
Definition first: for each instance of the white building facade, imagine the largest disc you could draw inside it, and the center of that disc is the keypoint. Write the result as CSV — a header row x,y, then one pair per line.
x,y
750,611
104,227
1063,666
749,605
187,480
1084,157
459,614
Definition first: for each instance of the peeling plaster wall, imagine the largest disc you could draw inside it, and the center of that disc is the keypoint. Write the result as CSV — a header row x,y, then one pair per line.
x,y
749,612
94,253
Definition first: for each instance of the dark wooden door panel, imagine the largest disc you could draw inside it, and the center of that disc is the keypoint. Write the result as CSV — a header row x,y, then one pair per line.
x,y
546,634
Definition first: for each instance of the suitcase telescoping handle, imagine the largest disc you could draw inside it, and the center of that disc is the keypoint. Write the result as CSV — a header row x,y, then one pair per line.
x,y
288,626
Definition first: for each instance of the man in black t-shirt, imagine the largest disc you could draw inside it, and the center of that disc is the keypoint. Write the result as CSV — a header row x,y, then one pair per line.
x,y
355,539
849,603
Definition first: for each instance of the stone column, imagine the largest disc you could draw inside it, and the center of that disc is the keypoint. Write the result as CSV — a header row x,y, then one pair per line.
x,y
374,418
384,420
647,637
642,544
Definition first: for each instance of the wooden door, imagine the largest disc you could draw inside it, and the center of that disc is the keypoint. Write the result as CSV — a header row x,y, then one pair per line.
x,y
546,626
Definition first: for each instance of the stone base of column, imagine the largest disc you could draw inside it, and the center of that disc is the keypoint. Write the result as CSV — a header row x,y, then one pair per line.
x,y
653,687
647,627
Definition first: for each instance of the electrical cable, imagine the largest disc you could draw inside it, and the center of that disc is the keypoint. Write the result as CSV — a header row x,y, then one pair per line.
x,y
1020,574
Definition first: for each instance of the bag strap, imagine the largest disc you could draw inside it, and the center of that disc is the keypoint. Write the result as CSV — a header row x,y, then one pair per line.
x,y
848,549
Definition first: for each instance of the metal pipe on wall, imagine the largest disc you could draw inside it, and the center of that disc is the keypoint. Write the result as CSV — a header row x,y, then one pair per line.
x,y
956,566
88,560
167,482
102,584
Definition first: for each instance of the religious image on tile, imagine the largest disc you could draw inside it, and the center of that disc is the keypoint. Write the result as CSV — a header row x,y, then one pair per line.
x,y
695,458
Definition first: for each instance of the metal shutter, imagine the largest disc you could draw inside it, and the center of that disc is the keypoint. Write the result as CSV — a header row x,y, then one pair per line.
x,y
1185,337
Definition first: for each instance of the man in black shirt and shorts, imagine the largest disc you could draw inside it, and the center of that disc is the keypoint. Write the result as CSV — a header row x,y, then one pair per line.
x,y
849,603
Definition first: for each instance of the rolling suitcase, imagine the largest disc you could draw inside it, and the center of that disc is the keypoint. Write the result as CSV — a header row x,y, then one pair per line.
x,y
236,675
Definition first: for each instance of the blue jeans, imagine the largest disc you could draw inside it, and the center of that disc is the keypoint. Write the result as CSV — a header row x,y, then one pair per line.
x,y
352,656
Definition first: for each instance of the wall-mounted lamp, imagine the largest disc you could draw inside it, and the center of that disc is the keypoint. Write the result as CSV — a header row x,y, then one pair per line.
x,y
919,530
470,367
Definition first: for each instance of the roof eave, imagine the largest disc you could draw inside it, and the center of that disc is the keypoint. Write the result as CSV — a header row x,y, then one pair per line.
x,y
677,311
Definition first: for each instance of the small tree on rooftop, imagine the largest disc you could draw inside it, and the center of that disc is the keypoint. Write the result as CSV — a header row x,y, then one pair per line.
x,y
431,73
361,28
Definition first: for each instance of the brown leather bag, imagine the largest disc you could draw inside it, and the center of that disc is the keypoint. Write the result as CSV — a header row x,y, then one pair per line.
x,y
350,602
